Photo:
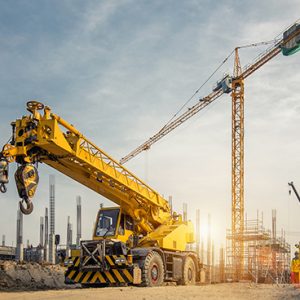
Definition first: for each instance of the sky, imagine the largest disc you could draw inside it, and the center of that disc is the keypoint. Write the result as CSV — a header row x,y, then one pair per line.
x,y
119,70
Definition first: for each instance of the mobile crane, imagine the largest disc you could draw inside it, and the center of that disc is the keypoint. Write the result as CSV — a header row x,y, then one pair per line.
x,y
139,242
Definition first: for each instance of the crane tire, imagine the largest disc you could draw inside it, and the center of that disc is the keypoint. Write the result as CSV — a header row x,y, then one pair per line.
x,y
189,272
153,270
26,210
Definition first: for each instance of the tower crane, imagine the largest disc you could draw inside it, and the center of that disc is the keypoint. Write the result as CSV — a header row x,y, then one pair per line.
x,y
288,44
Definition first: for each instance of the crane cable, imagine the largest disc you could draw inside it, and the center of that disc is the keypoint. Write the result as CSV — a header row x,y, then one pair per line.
x,y
213,73
196,92
217,69
258,44
275,40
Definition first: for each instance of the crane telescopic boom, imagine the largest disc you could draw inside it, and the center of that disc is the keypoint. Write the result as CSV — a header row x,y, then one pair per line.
x,y
135,242
51,140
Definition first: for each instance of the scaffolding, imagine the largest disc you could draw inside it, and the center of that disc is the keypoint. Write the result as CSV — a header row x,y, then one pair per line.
x,y
266,258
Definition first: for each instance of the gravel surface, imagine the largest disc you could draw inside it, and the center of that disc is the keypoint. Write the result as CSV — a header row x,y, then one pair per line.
x,y
232,291
34,281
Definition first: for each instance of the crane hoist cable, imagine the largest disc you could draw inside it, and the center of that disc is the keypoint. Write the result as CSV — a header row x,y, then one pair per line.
x,y
214,72
197,91
202,103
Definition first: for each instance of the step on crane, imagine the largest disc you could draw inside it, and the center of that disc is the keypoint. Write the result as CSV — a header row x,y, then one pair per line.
x,y
139,242
288,43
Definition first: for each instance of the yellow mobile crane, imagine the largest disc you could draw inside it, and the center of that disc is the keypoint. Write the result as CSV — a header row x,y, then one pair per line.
x,y
139,242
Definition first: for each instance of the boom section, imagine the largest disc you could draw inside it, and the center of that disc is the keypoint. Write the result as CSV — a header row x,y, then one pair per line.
x,y
50,139
271,52
201,104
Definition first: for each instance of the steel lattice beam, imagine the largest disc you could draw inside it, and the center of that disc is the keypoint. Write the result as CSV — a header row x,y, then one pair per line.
x,y
237,169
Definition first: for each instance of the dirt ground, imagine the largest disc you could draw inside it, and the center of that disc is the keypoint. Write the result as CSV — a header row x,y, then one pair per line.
x,y
232,291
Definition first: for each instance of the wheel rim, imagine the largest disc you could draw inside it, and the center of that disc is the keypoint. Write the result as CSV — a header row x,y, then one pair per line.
x,y
154,273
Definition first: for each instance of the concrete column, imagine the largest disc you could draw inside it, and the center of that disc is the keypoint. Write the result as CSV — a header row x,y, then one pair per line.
x,y
198,232
41,231
213,262
46,238
184,212
209,249
52,252
171,203
222,265
20,252
78,221
202,252
19,237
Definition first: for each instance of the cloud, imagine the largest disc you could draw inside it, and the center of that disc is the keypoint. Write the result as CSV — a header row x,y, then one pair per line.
x,y
118,70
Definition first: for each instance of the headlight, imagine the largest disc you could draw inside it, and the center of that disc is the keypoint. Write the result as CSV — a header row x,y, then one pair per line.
x,y
120,260
68,263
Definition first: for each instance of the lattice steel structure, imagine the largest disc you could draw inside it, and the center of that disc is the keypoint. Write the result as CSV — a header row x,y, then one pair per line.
x,y
237,176
265,257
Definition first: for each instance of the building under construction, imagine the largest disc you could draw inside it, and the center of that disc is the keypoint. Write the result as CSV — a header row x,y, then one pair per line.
x,y
266,257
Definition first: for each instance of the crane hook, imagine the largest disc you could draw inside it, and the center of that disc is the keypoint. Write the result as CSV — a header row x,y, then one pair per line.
x,y
27,179
29,206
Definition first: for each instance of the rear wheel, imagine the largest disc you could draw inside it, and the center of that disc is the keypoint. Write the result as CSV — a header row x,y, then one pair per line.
x,y
153,270
189,272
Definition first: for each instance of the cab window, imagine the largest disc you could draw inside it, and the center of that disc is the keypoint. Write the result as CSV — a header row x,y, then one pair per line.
x,y
107,222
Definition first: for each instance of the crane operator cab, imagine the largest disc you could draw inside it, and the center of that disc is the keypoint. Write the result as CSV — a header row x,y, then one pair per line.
x,y
107,258
225,84
112,223
112,238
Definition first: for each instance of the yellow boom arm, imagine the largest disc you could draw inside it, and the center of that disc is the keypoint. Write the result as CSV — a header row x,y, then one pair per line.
x,y
49,139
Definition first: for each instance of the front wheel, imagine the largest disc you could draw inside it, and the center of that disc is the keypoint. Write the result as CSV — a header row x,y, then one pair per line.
x,y
153,270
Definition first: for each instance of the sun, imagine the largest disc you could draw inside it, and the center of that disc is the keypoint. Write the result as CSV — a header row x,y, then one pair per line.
x,y
204,232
